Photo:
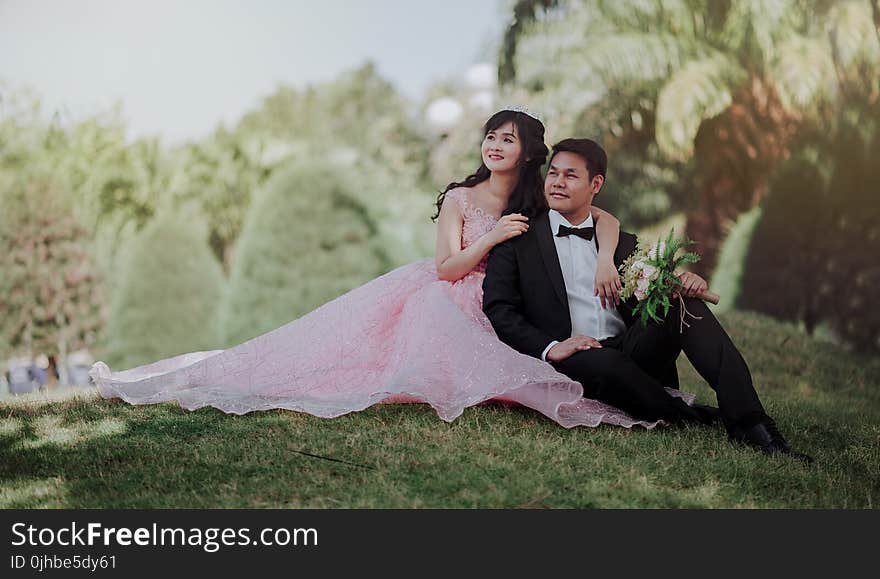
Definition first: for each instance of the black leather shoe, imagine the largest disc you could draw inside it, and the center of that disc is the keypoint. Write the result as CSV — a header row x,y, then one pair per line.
x,y
766,437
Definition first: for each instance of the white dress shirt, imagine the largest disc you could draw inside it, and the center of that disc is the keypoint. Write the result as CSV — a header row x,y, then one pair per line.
x,y
578,259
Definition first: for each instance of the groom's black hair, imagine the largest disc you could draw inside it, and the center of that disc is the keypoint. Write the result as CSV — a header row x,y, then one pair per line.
x,y
590,151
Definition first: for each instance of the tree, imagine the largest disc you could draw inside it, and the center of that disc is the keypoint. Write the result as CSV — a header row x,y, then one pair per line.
x,y
785,272
111,181
115,186
718,87
223,171
168,294
307,239
51,294
823,211
855,217
359,110
362,125
524,13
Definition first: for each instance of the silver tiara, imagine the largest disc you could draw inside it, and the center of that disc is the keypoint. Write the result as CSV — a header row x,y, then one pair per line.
x,y
522,109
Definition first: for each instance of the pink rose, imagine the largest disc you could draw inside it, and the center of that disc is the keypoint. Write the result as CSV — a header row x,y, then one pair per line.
x,y
640,295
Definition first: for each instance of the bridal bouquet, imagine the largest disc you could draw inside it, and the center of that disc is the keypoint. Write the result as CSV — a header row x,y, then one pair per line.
x,y
649,275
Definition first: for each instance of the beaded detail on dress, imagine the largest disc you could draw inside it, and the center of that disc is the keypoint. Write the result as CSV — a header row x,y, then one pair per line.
x,y
476,223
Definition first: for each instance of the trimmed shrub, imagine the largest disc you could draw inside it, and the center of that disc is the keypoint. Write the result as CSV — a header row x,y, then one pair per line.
x,y
306,240
813,256
727,278
168,297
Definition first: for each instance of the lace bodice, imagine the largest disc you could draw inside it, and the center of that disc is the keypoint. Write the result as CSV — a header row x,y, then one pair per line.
x,y
477,222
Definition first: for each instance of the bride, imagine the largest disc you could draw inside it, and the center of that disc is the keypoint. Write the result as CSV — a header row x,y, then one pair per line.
x,y
415,334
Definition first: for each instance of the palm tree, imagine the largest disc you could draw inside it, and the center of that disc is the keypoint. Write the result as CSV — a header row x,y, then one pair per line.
x,y
719,87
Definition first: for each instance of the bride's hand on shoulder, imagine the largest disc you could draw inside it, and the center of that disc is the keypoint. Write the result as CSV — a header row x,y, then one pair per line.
x,y
509,226
607,283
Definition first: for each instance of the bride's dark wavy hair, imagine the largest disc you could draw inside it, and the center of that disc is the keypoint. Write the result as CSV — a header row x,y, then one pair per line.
x,y
528,195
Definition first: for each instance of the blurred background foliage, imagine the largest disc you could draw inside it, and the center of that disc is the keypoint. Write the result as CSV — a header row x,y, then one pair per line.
x,y
752,124
308,238
169,292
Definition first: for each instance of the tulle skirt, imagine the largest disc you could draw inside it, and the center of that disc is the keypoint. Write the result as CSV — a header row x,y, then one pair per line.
x,y
403,337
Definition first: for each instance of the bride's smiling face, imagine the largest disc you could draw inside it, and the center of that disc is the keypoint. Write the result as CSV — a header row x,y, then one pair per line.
x,y
501,148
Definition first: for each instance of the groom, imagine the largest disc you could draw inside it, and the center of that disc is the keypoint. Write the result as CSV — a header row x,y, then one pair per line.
x,y
538,295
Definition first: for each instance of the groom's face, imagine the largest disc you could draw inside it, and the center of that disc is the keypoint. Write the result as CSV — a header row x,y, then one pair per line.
x,y
569,188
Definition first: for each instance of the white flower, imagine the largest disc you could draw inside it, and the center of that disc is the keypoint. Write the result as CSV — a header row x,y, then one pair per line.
x,y
657,250
649,272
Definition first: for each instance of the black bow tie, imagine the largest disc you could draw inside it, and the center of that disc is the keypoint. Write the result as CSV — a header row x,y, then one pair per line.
x,y
584,232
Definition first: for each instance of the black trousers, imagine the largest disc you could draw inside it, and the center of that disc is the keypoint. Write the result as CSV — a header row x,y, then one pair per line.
x,y
625,371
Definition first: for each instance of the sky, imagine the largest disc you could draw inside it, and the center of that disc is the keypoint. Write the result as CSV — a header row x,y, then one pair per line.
x,y
181,67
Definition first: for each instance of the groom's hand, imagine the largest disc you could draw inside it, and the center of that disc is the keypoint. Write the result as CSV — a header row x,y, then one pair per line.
x,y
565,349
692,285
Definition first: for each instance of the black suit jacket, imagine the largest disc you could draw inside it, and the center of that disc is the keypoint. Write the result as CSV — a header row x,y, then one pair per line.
x,y
524,293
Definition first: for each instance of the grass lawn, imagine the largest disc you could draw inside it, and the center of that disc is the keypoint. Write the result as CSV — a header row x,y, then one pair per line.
x,y
91,453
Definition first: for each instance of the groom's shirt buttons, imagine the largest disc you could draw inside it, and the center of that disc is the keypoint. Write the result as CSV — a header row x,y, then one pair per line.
x,y
578,258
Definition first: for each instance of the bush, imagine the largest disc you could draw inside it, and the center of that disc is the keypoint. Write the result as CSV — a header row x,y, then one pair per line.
x,y
169,293
306,240
727,277
813,257
785,269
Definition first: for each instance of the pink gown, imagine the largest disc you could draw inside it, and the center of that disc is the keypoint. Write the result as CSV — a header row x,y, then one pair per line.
x,y
404,337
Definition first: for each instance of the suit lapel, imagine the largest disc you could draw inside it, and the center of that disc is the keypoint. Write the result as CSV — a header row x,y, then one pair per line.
x,y
550,257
